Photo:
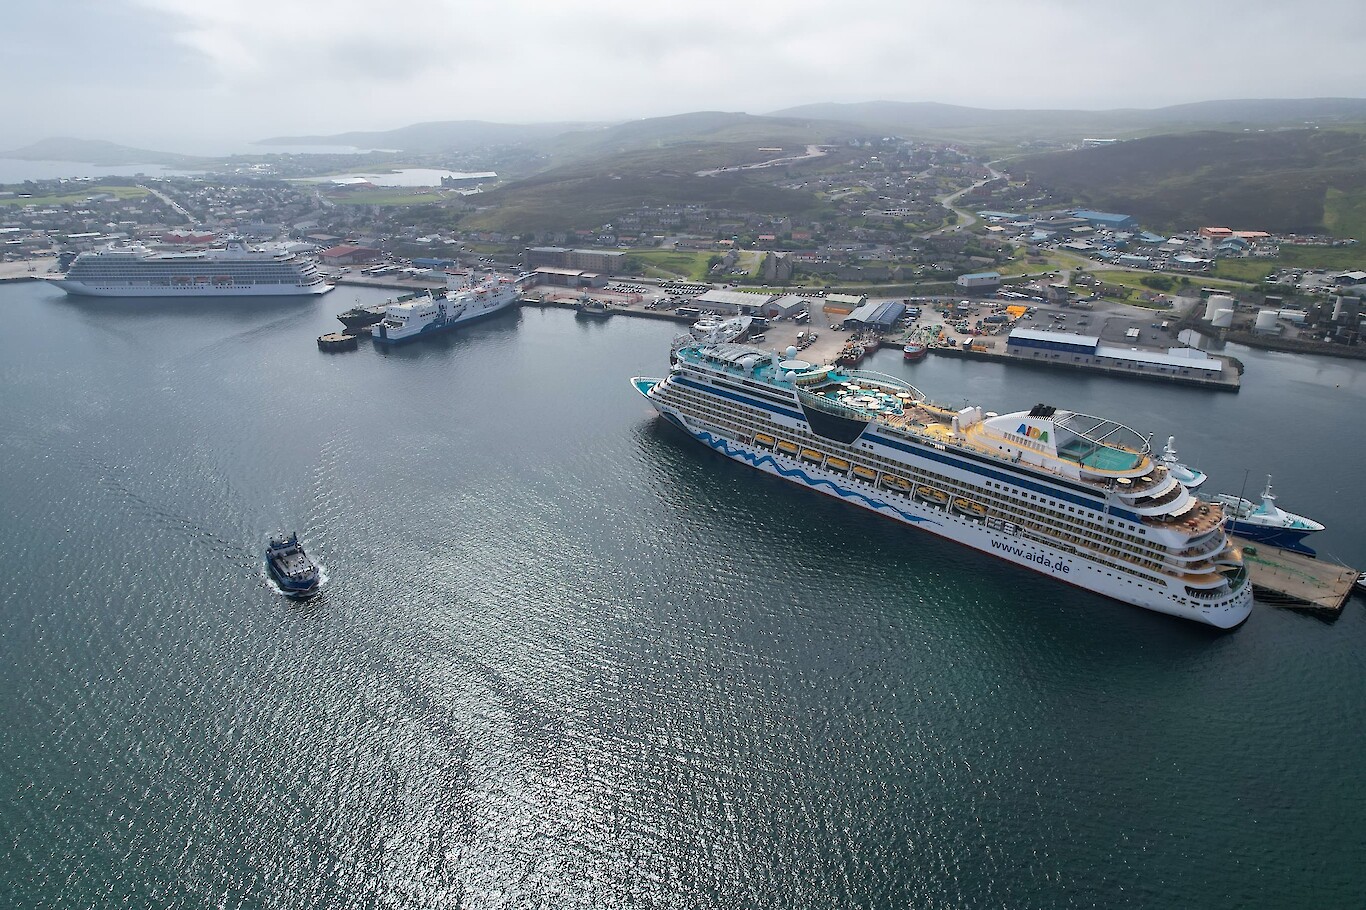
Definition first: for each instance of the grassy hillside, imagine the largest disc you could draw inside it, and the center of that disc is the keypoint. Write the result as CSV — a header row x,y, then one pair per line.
x,y
983,124
1295,181
587,194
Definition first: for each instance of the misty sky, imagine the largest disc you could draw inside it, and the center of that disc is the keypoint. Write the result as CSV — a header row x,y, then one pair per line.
x,y
211,75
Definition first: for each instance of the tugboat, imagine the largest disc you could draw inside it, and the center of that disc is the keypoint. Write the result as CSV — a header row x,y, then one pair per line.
x,y
592,306
361,317
915,350
290,566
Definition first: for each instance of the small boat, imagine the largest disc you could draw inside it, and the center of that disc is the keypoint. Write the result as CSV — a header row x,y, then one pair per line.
x,y
295,573
788,447
930,494
592,306
838,464
896,483
865,473
811,455
764,439
914,351
1361,583
361,317
970,508
1188,477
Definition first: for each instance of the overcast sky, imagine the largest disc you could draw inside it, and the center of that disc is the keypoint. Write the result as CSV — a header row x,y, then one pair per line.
x,y
211,75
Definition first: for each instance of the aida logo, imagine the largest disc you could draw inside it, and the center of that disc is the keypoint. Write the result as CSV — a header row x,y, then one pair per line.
x,y
1033,433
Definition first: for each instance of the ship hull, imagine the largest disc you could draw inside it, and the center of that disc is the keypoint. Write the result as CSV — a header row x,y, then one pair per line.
x,y
81,289
943,521
1285,538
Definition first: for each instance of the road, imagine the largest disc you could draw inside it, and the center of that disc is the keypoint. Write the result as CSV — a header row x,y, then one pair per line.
x,y
963,218
169,201
812,151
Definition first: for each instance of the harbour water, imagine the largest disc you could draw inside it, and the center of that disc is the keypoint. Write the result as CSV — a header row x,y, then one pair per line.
x,y
567,658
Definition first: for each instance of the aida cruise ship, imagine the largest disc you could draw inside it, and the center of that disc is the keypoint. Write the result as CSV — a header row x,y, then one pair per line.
x,y
235,271
1078,498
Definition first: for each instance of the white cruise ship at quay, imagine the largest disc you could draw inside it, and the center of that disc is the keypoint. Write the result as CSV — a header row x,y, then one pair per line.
x,y
236,271
1078,498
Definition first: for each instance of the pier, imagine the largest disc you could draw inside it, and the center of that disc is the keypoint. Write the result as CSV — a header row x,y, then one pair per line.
x,y
1284,578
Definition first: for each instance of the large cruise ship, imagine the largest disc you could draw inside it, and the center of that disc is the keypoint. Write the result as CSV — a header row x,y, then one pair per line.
x,y
236,271
1077,498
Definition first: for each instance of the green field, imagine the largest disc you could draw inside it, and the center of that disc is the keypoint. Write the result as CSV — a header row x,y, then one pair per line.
x,y
1344,213
1134,281
674,264
1253,270
84,193
1323,257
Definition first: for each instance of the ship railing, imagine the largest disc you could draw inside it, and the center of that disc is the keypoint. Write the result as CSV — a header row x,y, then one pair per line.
x,y
885,379
820,402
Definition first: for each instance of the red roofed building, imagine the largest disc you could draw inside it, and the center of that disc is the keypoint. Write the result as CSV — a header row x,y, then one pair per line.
x,y
1216,233
348,254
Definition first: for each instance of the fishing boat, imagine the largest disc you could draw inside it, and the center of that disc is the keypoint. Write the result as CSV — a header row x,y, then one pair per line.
x,y
293,570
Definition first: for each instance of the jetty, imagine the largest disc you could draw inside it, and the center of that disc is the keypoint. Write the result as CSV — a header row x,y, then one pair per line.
x,y
1284,578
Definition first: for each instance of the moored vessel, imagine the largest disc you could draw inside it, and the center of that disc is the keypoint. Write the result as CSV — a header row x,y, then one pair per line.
x,y
1078,498
592,306
234,271
1265,522
293,570
433,315
914,350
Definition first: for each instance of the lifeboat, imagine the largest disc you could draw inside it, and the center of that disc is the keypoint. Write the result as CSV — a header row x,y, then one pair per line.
x,y
839,464
788,447
896,483
970,508
811,455
763,439
930,494
865,473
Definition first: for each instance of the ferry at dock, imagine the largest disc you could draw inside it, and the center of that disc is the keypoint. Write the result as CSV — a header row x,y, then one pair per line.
x,y
1078,498
466,300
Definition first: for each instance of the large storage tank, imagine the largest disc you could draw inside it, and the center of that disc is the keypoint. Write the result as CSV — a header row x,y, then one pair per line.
x,y
1223,319
1216,302
1266,321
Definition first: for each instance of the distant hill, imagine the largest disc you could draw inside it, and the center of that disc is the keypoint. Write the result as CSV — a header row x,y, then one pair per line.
x,y
1298,181
609,186
96,151
571,140
914,117
438,136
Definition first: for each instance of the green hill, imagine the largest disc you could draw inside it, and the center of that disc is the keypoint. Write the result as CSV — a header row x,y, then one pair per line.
x,y
1293,181
590,193
945,120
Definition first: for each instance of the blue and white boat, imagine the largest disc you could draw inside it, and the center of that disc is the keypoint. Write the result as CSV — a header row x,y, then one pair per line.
x,y
1188,477
1077,498
1267,523
432,315
293,570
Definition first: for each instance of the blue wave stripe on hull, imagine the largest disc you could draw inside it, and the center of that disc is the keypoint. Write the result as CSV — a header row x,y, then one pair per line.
x,y
723,446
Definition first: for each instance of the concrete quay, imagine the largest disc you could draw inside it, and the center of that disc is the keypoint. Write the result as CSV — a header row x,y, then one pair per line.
x,y
1284,578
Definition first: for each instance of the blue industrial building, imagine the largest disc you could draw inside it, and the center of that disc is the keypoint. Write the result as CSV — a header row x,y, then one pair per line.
x,y
1106,220
880,317
430,263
